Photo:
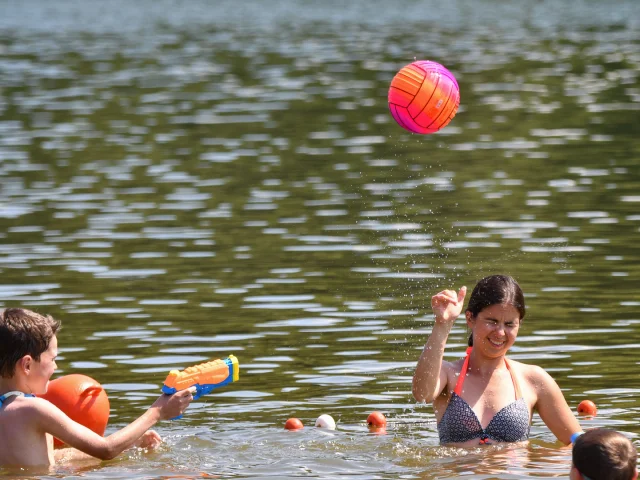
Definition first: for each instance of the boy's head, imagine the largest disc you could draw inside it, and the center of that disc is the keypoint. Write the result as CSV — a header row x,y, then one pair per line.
x,y
23,332
603,454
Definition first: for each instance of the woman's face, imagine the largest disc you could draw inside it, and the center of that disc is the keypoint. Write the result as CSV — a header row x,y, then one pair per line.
x,y
495,328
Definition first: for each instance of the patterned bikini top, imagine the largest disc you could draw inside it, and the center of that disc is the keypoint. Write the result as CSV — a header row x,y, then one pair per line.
x,y
460,423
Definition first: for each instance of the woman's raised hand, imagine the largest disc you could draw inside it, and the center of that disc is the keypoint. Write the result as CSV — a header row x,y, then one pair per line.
x,y
447,305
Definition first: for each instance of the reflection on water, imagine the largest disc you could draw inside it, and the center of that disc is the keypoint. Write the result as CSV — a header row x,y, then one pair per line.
x,y
197,182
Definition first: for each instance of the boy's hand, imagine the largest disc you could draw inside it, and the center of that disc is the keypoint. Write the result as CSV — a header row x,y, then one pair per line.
x,y
447,305
172,406
149,440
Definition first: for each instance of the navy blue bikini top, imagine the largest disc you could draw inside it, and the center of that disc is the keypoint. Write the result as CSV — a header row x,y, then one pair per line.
x,y
460,423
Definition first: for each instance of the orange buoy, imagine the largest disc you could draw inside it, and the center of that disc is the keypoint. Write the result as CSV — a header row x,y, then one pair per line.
x,y
376,421
587,407
293,424
82,399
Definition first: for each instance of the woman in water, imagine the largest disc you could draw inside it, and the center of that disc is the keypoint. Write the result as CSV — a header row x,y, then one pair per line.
x,y
486,398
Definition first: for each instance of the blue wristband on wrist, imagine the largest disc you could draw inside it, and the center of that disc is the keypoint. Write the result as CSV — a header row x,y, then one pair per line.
x,y
575,436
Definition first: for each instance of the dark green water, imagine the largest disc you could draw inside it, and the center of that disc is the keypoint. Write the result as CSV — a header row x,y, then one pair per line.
x,y
180,182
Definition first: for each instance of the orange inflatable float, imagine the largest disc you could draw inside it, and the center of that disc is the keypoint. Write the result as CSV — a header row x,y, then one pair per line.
x,y
82,399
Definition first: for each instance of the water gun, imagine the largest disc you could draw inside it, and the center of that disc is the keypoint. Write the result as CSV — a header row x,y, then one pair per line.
x,y
205,377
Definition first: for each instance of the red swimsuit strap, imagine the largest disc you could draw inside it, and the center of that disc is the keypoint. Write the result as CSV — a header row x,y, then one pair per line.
x,y
463,373
465,368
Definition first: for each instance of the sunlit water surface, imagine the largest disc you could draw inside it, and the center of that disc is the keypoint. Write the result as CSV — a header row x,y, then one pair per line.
x,y
180,182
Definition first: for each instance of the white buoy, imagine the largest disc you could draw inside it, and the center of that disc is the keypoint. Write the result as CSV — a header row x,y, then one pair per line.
x,y
326,421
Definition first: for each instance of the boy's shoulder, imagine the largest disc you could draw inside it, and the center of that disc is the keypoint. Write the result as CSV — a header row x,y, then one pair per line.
x,y
24,405
24,431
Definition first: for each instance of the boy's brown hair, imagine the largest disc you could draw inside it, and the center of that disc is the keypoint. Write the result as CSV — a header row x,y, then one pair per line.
x,y
23,332
604,454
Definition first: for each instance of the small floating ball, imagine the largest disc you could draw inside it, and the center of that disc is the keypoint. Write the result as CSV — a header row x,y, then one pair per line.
x,y
293,424
587,407
423,97
82,399
326,421
376,420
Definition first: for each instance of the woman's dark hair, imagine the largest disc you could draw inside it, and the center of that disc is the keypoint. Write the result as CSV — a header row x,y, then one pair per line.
x,y
604,454
495,290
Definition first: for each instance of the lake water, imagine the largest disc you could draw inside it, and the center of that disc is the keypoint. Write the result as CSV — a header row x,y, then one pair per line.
x,y
181,181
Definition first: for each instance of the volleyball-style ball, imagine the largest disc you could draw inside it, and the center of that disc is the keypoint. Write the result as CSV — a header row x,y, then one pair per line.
x,y
423,97
82,399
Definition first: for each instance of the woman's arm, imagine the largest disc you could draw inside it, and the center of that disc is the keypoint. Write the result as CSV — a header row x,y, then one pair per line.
x,y
53,421
553,408
430,378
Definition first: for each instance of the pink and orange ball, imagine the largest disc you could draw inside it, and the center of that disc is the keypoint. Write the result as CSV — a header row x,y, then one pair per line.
x,y
423,97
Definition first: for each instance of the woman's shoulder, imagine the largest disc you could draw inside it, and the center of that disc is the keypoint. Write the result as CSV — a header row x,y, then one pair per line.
x,y
452,370
533,374
453,365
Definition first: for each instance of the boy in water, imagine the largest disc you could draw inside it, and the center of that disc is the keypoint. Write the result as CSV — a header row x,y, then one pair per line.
x,y
28,349
603,454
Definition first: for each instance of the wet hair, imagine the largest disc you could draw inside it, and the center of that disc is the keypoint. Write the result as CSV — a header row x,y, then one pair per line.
x,y
495,290
23,332
604,454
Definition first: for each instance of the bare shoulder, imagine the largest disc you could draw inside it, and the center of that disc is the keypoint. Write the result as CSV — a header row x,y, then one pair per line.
x,y
30,414
454,366
38,407
451,366
452,370
27,404
534,375
41,404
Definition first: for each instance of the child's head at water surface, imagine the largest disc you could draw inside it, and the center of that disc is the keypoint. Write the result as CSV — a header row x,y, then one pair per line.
x,y
23,332
495,290
603,454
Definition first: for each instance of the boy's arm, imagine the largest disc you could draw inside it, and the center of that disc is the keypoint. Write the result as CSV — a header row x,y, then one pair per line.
x,y
63,455
52,420
150,439
55,422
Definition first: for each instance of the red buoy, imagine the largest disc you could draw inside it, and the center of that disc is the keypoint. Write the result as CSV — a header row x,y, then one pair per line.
x,y
587,407
293,424
377,422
